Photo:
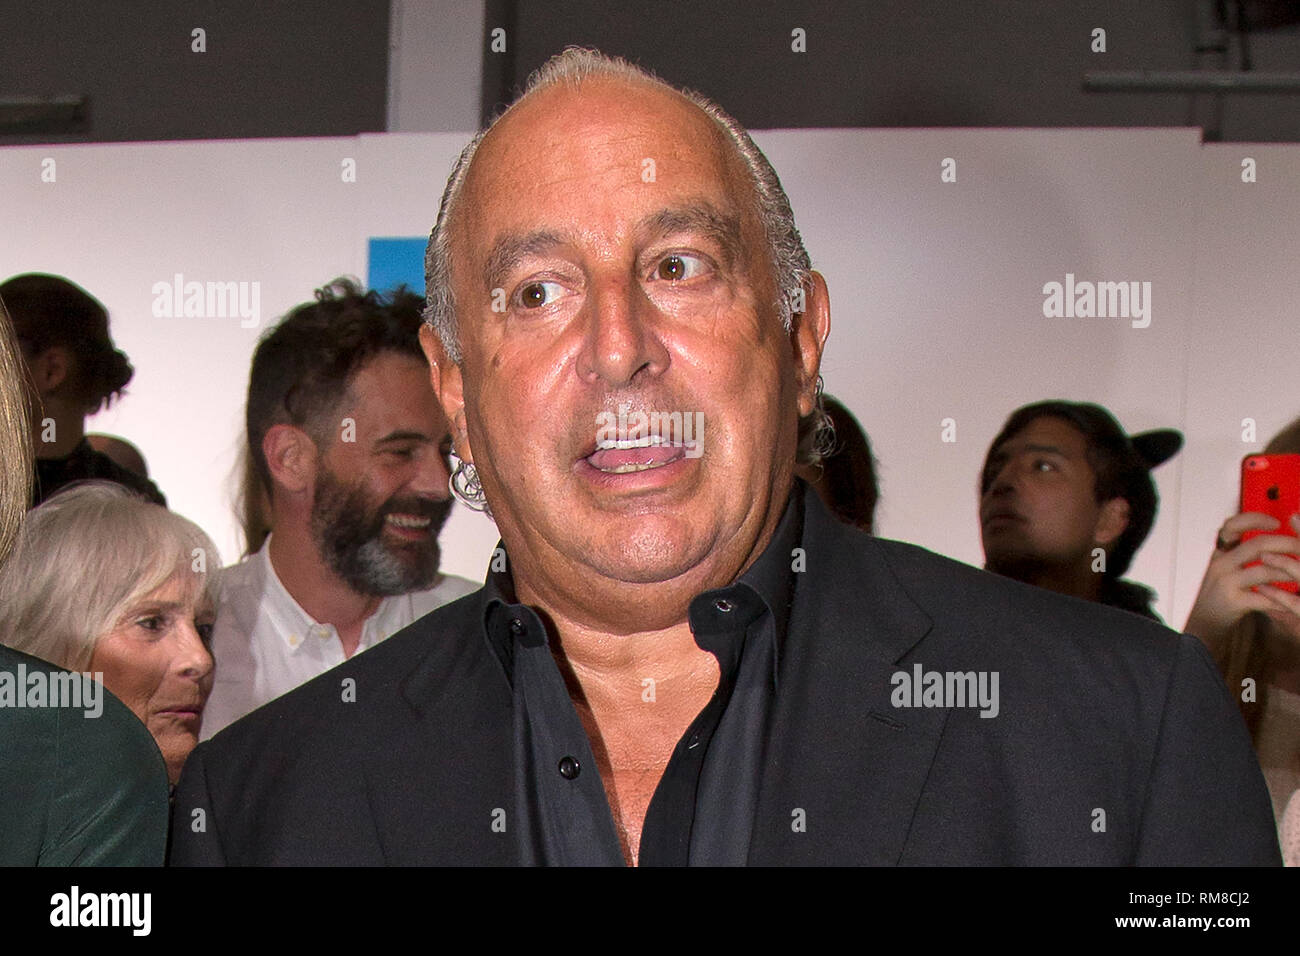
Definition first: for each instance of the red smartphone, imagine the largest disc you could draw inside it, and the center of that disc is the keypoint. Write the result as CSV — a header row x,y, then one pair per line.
x,y
1270,484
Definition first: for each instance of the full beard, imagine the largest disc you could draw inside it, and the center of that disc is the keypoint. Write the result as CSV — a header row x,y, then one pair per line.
x,y
349,535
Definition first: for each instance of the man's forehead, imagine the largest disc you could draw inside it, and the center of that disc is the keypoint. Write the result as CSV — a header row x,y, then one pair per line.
x,y
390,383
543,156
1042,434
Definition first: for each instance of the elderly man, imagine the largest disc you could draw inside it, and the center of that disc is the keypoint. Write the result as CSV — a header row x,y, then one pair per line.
x,y
680,657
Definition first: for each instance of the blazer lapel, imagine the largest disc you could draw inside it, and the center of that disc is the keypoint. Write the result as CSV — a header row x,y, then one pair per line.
x,y
844,768
439,777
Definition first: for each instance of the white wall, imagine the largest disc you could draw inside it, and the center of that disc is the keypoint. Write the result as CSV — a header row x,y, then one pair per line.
x,y
937,303
936,293
1243,360
121,218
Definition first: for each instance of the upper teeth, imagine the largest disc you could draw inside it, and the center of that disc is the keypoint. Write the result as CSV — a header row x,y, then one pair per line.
x,y
643,442
408,521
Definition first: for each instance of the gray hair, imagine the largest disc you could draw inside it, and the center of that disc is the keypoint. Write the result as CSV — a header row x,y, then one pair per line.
x,y
83,558
790,262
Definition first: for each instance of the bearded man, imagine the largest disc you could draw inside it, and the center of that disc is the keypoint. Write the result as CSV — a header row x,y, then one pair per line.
x,y
348,446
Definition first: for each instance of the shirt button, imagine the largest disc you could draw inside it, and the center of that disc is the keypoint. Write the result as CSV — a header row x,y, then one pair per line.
x,y
569,768
723,605
294,640
517,627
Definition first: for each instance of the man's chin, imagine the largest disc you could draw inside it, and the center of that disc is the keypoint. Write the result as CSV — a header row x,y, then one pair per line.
x,y
646,558
388,568
1012,564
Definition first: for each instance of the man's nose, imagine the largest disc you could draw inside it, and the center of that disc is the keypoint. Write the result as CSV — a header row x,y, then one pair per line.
x,y
1004,481
621,341
432,475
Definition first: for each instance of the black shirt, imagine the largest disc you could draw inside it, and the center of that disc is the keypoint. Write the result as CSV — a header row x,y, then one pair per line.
x,y
702,811
83,463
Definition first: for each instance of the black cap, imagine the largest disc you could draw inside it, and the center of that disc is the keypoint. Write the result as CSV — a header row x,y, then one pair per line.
x,y
1157,446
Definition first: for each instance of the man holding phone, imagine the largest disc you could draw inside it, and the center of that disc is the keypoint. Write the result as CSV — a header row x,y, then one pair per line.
x,y
1066,500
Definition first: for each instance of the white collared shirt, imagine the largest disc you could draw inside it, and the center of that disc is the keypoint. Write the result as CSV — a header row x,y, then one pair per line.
x,y
264,644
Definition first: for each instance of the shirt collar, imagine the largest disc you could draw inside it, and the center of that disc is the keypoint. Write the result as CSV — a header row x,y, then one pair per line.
x,y
292,622
767,586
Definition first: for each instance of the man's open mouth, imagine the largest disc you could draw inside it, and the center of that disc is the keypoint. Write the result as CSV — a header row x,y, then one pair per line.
x,y
626,455
409,522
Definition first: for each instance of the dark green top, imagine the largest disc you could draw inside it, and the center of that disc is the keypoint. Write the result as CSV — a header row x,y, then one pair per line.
x,y
75,789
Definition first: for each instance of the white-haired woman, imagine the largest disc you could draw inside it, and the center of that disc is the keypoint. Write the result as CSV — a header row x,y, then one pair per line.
x,y
103,581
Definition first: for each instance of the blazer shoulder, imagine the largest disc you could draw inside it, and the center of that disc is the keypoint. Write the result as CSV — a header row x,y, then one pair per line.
x,y
1006,613
436,641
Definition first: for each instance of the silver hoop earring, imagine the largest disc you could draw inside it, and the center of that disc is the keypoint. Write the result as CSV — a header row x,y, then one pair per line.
x,y
466,487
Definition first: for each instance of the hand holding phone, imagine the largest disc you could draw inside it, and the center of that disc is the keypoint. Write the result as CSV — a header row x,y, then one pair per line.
x,y
1270,484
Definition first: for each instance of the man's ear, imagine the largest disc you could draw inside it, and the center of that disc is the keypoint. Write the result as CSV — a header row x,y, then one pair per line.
x,y
1112,522
50,369
449,386
808,332
290,457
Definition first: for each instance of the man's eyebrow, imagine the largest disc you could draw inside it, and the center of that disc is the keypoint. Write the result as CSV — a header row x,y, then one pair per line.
x,y
403,436
1046,449
511,249
703,217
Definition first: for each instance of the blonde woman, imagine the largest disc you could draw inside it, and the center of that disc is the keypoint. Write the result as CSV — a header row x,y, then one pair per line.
x,y
103,581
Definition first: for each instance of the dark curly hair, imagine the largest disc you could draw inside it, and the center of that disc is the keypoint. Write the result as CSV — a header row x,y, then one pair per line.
x,y
303,366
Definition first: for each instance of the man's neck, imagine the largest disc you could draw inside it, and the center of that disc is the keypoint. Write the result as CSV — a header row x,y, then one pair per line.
x,y
1077,581
636,695
317,589
591,612
56,433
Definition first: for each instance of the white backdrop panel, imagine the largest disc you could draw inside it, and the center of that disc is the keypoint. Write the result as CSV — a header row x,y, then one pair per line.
x,y
936,292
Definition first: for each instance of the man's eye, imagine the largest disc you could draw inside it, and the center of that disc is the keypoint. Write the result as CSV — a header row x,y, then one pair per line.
x,y
677,266
205,632
153,622
534,295
1043,465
